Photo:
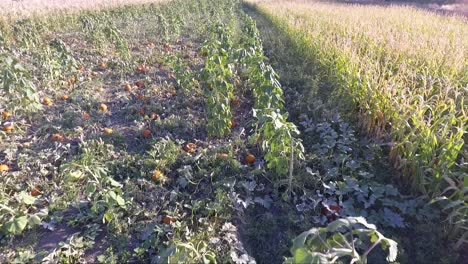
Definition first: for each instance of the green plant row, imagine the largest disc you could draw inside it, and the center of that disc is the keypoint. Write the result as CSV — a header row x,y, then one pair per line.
x,y
279,137
404,87
217,75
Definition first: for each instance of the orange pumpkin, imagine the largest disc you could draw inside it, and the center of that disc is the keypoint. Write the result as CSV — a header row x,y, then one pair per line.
x,y
103,107
57,137
86,115
47,101
4,168
157,174
142,68
146,133
190,148
249,159
35,192
8,128
64,97
107,131
235,101
102,65
6,114
233,123
140,84
127,87
154,116
168,219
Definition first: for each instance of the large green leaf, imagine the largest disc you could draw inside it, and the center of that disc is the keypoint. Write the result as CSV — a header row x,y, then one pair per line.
x,y
17,225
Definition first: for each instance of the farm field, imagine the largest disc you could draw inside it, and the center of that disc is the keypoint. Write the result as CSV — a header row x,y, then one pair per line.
x,y
221,131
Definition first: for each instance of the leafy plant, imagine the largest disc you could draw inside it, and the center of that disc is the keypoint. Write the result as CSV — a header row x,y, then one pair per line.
x,y
217,76
189,252
349,238
17,213
65,55
183,74
88,169
18,91
278,136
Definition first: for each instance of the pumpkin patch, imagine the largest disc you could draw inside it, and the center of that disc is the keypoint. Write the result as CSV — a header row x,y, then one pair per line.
x,y
225,131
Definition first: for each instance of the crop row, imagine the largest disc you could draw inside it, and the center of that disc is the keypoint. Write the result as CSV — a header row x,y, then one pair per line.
x,y
407,79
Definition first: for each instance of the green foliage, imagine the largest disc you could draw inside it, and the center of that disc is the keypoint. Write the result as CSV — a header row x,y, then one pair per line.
x,y
54,62
101,31
217,77
163,154
65,55
15,213
183,74
188,252
18,91
410,94
184,214
343,238
100,189
28,32
279,137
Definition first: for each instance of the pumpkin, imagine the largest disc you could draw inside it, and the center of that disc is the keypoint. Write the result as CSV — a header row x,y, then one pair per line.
x,y
146,133
190,148
140,84
102,65
107,131
249,159
223,155
142,68
127,87
233,123
64,97
86,115
157,174
6,114
8,128
35,192
47,101
235,101
57,137
4,168
154,116
168,219
332,212
103,107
